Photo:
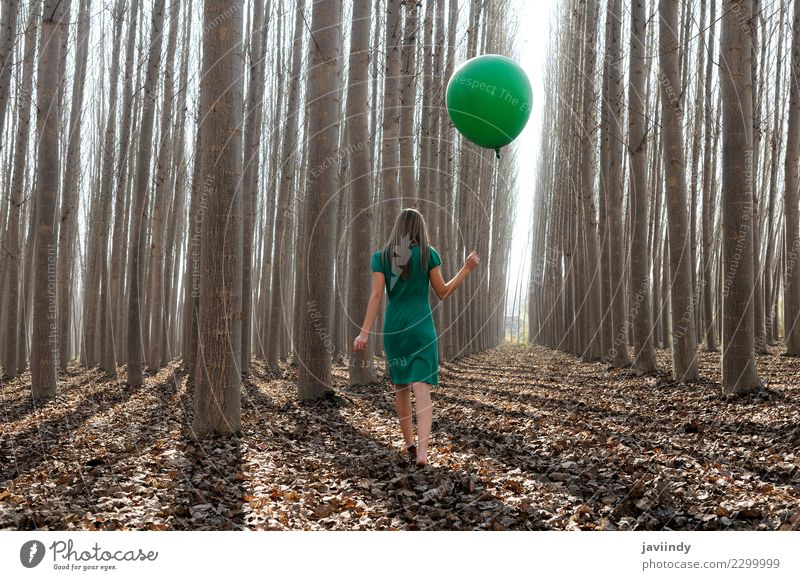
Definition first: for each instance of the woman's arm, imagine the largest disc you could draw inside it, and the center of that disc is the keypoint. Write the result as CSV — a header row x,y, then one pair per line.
x,y
378,283
444,289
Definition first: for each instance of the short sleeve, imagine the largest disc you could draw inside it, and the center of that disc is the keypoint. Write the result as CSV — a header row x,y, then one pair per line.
x,y
377,266
434,259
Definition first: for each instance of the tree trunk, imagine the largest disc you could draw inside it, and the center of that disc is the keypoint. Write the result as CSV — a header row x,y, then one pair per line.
x,y
68,230
14,316
684,341
708,208
408,89
391,197
644,353
738,357
163,173
255,98
217,396
315,344
121,201
791,277
619,348
278,318
362,370
770,282
44,346
8,28
135,278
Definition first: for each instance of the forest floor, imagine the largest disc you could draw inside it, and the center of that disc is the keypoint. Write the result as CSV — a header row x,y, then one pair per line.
x,y
524,438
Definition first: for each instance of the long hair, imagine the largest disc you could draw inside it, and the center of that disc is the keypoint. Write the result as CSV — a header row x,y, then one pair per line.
x,y
409,229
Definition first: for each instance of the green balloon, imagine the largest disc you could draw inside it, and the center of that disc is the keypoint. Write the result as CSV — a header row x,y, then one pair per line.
x,y
489,100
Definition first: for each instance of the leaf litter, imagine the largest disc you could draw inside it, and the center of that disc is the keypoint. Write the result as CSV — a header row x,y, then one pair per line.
x,y
524,438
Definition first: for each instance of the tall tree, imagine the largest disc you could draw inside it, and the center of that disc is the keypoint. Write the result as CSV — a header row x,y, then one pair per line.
x,y
775,140
590,238
644,352
143,163
616,104
408,90
708,208
791,251
72,171
44,346
217,394
738,344
114,345
14,315
8,33
684,341
163,172
252,164
389,186
314,347
362,370
288,159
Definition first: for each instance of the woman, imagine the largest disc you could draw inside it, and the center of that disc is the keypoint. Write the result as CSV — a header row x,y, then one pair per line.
x,y
407,267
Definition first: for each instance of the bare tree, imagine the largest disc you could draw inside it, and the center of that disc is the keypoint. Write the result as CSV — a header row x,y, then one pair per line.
x,y
13,318
44,346
644,352
163,172
362,370
217,397
288,177
791,249
708,207
738,347
135,330
314,346
8,32
684,341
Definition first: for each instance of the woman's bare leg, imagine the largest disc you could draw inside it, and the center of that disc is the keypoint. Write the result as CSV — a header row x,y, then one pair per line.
x,y
402,399
422,395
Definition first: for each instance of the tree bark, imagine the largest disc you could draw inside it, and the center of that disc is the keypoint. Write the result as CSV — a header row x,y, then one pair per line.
x,y
362,370
14,317
44,346
791,276
135,278
684,341
644,352
255,97
278,318
163,172
217,394
315,345
738,357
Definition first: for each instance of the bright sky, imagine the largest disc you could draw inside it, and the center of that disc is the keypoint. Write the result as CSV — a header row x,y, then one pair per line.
x,y
534,18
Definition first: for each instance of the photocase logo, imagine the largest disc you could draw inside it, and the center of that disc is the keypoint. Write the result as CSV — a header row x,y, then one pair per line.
x,y
31,553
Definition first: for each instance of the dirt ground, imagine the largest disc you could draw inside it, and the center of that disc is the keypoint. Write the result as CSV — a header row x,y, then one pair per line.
x,y
524,438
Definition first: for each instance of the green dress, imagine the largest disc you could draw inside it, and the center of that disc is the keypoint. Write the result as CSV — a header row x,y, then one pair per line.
x,y
409,336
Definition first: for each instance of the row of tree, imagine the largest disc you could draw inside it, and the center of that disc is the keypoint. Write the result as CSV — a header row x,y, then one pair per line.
x,y
668,213
217,192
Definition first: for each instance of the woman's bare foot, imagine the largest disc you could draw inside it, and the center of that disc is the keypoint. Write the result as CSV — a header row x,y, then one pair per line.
x,y
422,459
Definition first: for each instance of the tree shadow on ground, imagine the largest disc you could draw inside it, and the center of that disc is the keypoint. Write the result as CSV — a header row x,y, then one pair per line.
x,y
210,490
27,449
18,402
410,498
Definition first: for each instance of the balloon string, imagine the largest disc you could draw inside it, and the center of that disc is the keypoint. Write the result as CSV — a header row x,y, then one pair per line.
x,y
497,152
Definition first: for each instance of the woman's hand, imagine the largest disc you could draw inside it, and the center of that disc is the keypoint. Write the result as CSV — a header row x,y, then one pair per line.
x,y
360,343
472,261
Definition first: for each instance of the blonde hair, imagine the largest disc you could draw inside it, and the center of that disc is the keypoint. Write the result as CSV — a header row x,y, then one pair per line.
x,y
409,228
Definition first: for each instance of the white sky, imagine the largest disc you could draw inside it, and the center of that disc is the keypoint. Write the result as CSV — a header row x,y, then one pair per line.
x,y
534,18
